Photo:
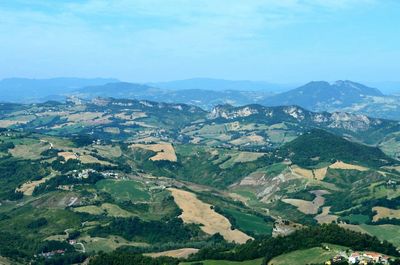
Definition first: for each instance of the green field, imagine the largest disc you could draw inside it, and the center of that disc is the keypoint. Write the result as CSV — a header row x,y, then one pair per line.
x,y
316,255
226,262
95,244
249,222
124,190
356,218
384,232
275,169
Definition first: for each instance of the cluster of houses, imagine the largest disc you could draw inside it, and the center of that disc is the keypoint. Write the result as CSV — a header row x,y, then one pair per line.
x,y
83,174
361,258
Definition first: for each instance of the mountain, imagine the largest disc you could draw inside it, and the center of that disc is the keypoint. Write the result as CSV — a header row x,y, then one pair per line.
x,y
343,96
204,98
119,90
33,90
320,95
222,85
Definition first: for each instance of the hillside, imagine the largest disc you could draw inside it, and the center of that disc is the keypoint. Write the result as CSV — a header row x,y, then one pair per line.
x,y
363,128
317,146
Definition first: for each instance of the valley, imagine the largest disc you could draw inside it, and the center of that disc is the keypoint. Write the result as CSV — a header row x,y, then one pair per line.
x,y
174,181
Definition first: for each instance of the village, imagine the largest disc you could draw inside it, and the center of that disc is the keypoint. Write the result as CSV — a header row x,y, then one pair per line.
x,y
359,257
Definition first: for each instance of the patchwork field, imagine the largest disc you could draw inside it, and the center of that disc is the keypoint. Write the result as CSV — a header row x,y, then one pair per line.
x,y
198,212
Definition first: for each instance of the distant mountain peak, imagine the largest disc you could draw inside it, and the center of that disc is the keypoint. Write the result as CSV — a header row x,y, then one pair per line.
x,y
322,95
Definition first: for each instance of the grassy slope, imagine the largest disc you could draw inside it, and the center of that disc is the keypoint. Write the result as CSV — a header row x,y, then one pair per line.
x,y
124,189
252,223
315,255
320,146
384,232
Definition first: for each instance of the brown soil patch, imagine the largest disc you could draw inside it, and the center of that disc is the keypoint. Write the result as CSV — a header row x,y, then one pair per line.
x,y
342,165
309,207
325,217
198,212
383,212
318,173
165,151
68,155
307,173
28,187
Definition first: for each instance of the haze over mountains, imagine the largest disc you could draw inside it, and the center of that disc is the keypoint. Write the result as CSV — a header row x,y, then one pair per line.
x,y
26,90
206,93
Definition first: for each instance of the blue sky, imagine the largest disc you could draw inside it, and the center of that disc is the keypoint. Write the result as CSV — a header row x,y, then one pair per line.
x,y
285,41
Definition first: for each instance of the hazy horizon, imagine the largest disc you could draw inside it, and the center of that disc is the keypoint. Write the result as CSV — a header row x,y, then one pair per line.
x,y
286,42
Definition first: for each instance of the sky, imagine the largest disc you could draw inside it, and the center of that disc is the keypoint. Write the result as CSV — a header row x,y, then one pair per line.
x,y
282,41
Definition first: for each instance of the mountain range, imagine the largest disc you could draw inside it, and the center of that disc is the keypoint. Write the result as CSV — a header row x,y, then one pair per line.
x,y
317,96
